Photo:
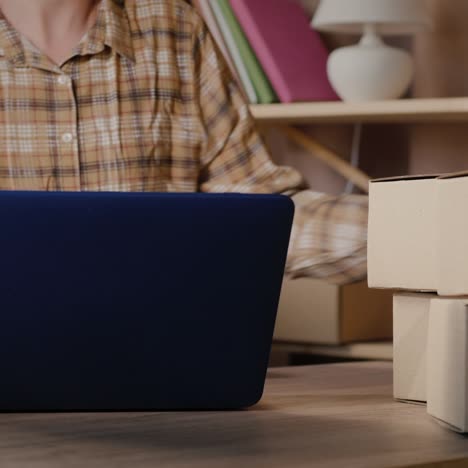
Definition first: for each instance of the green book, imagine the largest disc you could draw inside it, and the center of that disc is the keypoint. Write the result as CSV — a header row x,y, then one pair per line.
x,y
263,88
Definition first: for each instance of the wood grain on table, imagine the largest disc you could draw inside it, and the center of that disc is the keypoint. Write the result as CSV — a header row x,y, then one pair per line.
x,y
338,415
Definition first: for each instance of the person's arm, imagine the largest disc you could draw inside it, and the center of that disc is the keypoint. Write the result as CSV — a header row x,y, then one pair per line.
x,y
329,235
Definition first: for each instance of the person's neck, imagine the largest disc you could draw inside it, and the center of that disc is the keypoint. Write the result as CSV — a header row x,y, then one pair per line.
x,y
54,26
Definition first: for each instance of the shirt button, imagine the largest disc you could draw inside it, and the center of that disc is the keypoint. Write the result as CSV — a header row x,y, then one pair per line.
x,y
63,79
67,137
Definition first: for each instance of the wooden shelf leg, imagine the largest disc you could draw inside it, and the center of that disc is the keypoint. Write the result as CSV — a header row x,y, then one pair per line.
x,y
356,176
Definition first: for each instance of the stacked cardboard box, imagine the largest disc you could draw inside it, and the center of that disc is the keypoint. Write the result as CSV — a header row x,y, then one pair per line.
x,y
418,244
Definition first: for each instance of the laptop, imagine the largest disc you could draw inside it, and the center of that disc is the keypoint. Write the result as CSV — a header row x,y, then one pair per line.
x,y
138,301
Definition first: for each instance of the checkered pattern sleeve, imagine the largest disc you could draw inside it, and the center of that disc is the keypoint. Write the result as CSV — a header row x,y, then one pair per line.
x,y
330,233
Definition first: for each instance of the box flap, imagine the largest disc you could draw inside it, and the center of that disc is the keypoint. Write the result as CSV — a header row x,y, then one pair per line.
x,y
446,425
451,241
410,326
447,353
406,178
454,175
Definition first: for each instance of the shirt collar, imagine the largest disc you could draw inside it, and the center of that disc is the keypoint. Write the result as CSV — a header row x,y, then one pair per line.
x,y
11,45
112,29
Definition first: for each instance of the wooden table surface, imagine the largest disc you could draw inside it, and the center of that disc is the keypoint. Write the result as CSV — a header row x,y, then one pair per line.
x,y
338,415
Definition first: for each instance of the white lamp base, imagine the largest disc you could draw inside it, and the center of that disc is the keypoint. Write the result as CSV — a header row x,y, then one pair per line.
x,y
370,71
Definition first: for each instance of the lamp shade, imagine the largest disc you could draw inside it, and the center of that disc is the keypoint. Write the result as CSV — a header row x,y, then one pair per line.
x,y
390,16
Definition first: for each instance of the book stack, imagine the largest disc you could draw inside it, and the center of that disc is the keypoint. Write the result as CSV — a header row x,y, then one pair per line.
x,y
418,244
271,49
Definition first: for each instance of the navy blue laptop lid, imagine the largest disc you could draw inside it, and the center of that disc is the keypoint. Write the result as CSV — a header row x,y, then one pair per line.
x,y
115,301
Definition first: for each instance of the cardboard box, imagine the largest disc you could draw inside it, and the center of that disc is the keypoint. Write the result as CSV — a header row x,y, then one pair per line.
x,y
417,234
447,358
313,311
402,233
452,238
410,332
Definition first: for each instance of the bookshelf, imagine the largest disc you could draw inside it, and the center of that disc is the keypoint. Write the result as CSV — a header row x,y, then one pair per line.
x,y
432,110
437,110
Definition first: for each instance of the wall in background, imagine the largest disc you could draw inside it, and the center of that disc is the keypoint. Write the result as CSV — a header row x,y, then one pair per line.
x,y
384,152
442,71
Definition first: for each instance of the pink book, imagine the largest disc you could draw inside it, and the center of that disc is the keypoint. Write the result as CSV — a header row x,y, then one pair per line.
x,y
291,53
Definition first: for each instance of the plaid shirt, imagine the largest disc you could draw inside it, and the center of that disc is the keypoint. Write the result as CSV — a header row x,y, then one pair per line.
x,y
146,103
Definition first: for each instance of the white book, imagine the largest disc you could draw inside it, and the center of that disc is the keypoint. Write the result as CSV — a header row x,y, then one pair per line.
x,y
234,52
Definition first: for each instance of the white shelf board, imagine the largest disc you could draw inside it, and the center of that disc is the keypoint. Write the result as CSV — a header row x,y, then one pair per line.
x,y
398,111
